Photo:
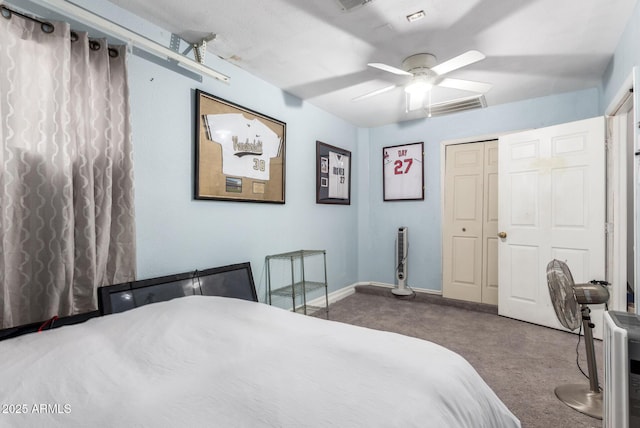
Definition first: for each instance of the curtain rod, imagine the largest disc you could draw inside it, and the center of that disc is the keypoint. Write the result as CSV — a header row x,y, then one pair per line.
x,y
104,25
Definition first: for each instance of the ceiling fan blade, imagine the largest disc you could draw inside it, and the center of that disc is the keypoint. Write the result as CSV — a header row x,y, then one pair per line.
x,y
459,61
389,68
465,85
374,93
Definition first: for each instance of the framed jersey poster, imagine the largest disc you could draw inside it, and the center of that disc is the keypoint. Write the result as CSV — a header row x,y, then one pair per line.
x,y
333,175
240,153
403,172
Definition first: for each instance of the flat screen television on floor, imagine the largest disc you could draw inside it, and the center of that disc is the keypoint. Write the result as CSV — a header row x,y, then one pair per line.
x,y
234,281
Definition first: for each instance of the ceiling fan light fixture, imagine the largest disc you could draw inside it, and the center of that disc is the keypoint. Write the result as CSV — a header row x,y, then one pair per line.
x,y
418,86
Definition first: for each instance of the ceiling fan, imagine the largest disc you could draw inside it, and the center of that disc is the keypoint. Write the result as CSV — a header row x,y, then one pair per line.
x,y
426,73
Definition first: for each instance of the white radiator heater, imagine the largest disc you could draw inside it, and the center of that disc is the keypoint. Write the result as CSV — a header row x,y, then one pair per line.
x,y
402,251
621,393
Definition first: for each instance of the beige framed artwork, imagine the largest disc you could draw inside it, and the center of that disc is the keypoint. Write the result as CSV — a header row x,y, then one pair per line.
x,y
240,153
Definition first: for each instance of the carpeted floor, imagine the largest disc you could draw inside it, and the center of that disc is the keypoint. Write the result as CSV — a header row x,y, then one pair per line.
x,y
522,363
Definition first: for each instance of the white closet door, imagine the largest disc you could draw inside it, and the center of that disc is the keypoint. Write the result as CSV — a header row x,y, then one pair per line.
x,y
490,225
462,234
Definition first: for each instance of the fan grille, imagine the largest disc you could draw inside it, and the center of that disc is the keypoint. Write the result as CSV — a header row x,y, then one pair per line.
x,y
560,283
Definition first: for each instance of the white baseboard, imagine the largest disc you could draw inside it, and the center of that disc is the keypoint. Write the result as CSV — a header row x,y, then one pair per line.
x,y
417,290
334,296
340,294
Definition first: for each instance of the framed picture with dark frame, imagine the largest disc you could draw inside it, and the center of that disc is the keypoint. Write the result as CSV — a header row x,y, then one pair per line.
x,y
403,172
240,153
333,175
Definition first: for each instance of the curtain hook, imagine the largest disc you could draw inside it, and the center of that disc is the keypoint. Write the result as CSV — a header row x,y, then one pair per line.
x,y
47,27
73,36
113,53
6,13
94,45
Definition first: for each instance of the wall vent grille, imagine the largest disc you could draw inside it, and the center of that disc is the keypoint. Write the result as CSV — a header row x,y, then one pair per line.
x,y
454,106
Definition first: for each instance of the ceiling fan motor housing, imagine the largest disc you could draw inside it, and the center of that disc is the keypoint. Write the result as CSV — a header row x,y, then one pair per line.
x,y
425,73
419,63
423,77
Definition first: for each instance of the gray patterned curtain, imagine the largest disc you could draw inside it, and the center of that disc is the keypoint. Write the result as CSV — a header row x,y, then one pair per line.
x,y
66,172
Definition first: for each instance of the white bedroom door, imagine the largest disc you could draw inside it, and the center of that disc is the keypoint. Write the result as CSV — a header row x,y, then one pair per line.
x,y
551,205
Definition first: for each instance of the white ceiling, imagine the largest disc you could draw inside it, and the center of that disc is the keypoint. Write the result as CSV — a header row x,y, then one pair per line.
x,y
318,52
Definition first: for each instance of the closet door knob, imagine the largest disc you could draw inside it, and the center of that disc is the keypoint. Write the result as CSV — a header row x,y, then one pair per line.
x,y
502,235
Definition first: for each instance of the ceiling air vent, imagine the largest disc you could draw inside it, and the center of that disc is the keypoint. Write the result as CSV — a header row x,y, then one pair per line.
x,y
454,106
348,5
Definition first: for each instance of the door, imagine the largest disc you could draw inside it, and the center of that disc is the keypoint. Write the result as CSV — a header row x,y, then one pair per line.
x,y
628,144
551,205
470,222
620,203
462,234
490,225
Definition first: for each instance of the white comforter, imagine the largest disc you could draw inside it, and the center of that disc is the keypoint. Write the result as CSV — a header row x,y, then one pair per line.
x,y
217,362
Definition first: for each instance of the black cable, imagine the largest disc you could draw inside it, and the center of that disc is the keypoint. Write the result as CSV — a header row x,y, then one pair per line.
x,y
578,353
578,356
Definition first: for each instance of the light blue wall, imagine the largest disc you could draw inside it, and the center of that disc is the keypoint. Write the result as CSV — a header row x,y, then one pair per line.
x,y
176,233
423,218
627,56
623,65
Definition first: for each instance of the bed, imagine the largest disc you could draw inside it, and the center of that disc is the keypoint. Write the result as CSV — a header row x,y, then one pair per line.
x,y
212,361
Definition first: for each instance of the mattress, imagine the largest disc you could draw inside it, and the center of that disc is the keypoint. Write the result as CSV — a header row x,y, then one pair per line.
x,y
222,362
